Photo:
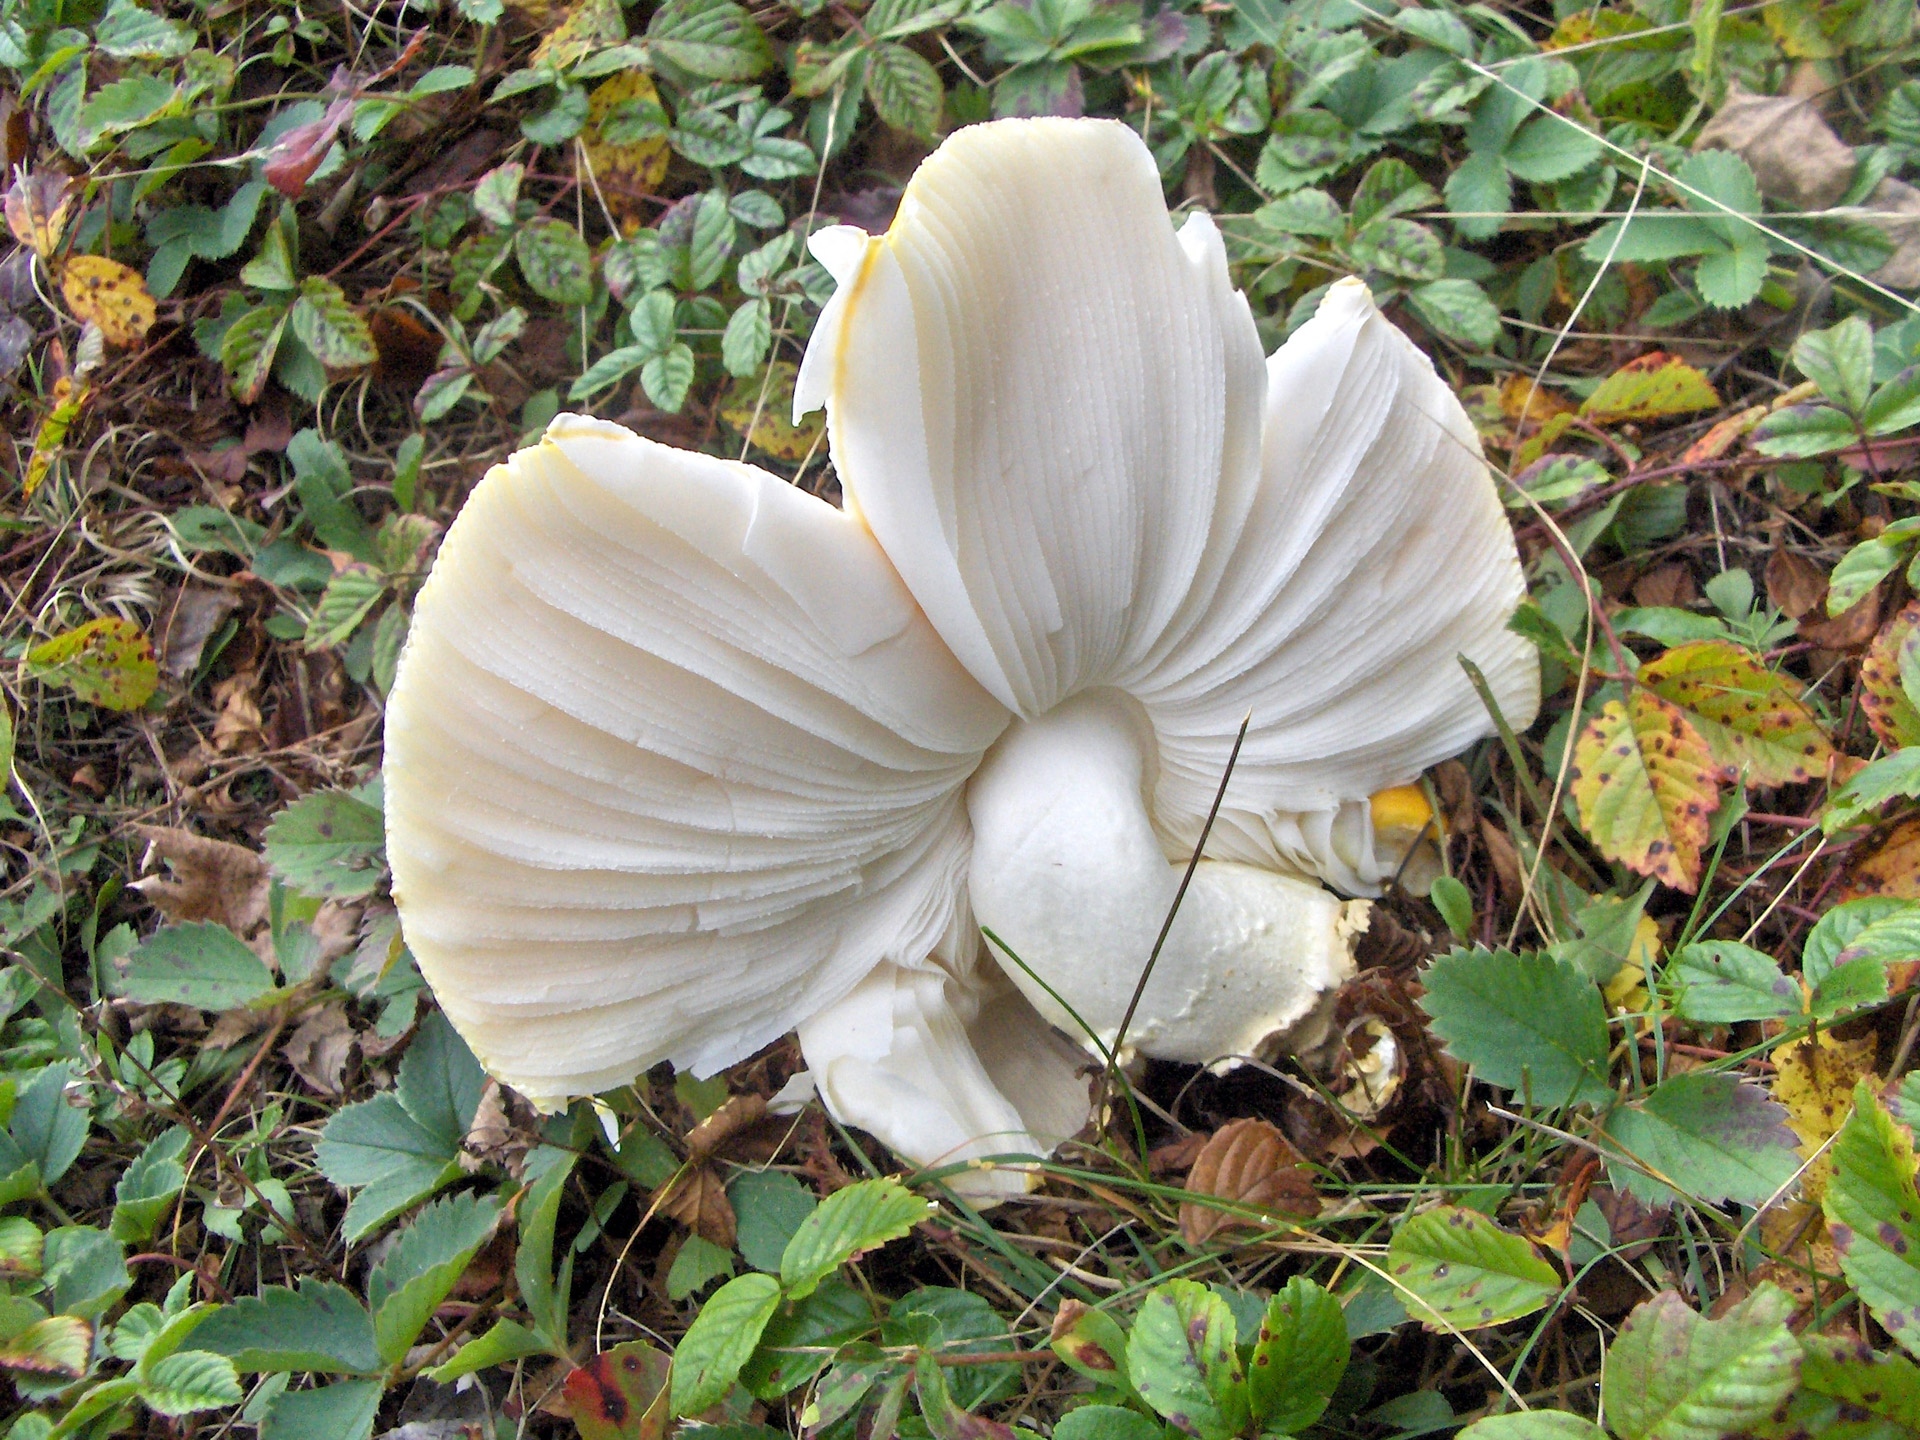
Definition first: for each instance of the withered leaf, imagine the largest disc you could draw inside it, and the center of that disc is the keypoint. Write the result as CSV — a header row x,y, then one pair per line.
x,y
1247,1163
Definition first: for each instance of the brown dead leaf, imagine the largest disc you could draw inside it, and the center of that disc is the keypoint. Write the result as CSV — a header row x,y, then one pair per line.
x,y
1889,864
1666,585
1894,209
110,295
210,880
37,207
197,611
1848,631
321,1047
1793,153
1632,1224
698,1200
1176,1157
735,1115
504,1132
1248,1163
1795,585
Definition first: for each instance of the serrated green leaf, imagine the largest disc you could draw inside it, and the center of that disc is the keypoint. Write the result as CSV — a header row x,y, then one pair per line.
x,y
345,1411
1299,1358
54,1347
199,964
699,1263
1534,1425
407,1286
1464,1272
848,1223
1721,982
319,1326
713,39
1713,1137
721,1340
1459,310
377,1145
1480,194
330,844
905,89
748,336
335,331
190,1381
1672,1374
1839,361
349,595
1873,1215
1530,1023
128,32
668,377
1107,1422
1182,1360
555,261
800,1339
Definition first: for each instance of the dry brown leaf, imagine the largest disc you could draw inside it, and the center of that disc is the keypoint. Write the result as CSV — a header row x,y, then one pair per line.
x,y
504,1131
37,208
1666,585
698,1200
111,295
211,880
197,611
735,1115
320,1048
1795,585
1251,1164
1850,630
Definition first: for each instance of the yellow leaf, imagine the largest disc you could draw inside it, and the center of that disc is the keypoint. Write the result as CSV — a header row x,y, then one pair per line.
x,y
111,295
105,662
1644,783
1814,1079
770,421
1751,718
626,173
590,25
53,433
37,209
1655,385
1884,699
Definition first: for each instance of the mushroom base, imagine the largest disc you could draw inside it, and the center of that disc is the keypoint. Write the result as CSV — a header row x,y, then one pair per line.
x,y
1069,878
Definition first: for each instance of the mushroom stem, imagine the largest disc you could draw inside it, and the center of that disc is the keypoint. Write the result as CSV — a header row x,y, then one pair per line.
x,y
1068,872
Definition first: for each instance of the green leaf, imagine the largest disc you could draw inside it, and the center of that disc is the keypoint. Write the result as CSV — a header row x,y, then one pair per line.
x,y
1182,1360
21,1244
378,1145
1534,1425
565,118
44,1130
1846,954
555,261
147,1186
107,662
615,365
1550,147
1107,1422
317,1327
1458,310
85,1270
667,377
1859,570
56,1346
335,331
1401,248
1802,430
1715,1138
1529,1023
1722,982
1840,362
1730,278
496,192
124,105
1882,780
190,1381
407,1286
748,336
849,1222
1895,406
1480,195
1848,1389
349,595
199,964
506,1342
332,1412
1672,1374
1873,1215
800,1339
711,241
904,88
713,39
128,32
544,1292
699,1263
721,1340
331,844
1465,1272
1299,1359
1091,1342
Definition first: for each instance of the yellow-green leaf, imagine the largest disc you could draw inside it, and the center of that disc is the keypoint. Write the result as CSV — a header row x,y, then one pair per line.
x,y
1644,783
1752,719
105,662
1653,386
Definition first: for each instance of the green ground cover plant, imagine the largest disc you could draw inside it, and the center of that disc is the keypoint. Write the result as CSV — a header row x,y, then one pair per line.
x,y
1618,1136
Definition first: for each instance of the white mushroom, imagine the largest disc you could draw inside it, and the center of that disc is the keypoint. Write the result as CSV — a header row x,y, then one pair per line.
x,y
680,758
